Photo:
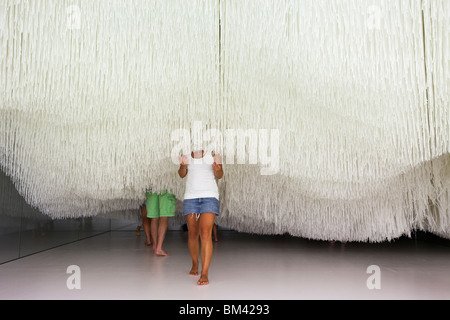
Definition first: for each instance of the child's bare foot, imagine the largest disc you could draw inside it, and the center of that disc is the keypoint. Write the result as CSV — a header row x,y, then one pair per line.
x,y
203,280
194,271
160,252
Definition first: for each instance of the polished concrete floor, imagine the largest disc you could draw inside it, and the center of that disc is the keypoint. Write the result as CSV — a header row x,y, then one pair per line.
x,y
117,265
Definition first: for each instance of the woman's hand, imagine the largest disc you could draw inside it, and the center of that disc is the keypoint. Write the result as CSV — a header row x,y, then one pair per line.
x,y
217,158
184,161
217,166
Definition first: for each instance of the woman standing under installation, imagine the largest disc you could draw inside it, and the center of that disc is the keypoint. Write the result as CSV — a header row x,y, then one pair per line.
x,y
200,206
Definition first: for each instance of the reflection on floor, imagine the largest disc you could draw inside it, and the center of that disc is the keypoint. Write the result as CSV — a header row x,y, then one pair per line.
x,y
117,265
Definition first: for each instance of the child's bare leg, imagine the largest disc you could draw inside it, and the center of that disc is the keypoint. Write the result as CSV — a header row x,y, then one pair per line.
x,y
162,229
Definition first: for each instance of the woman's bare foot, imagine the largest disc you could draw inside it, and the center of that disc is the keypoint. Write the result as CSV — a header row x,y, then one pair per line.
x,y
160,252
194,270
148,243
203,280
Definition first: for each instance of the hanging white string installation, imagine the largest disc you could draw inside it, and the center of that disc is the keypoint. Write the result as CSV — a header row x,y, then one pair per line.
x,y
332,116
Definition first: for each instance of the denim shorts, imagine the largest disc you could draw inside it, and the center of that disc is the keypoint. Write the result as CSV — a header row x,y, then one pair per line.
x,y
201,205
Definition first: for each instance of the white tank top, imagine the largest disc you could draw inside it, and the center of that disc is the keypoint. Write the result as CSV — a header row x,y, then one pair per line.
x,y
200,179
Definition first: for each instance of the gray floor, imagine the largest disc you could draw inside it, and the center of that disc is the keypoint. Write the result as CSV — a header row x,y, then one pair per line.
x,y
117,265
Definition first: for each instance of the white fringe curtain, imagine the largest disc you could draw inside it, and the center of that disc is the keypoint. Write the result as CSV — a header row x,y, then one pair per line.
x,y
92,91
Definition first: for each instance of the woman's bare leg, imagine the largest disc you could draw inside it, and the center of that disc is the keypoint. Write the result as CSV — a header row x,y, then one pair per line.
x,y
193,241
206,225
216,238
